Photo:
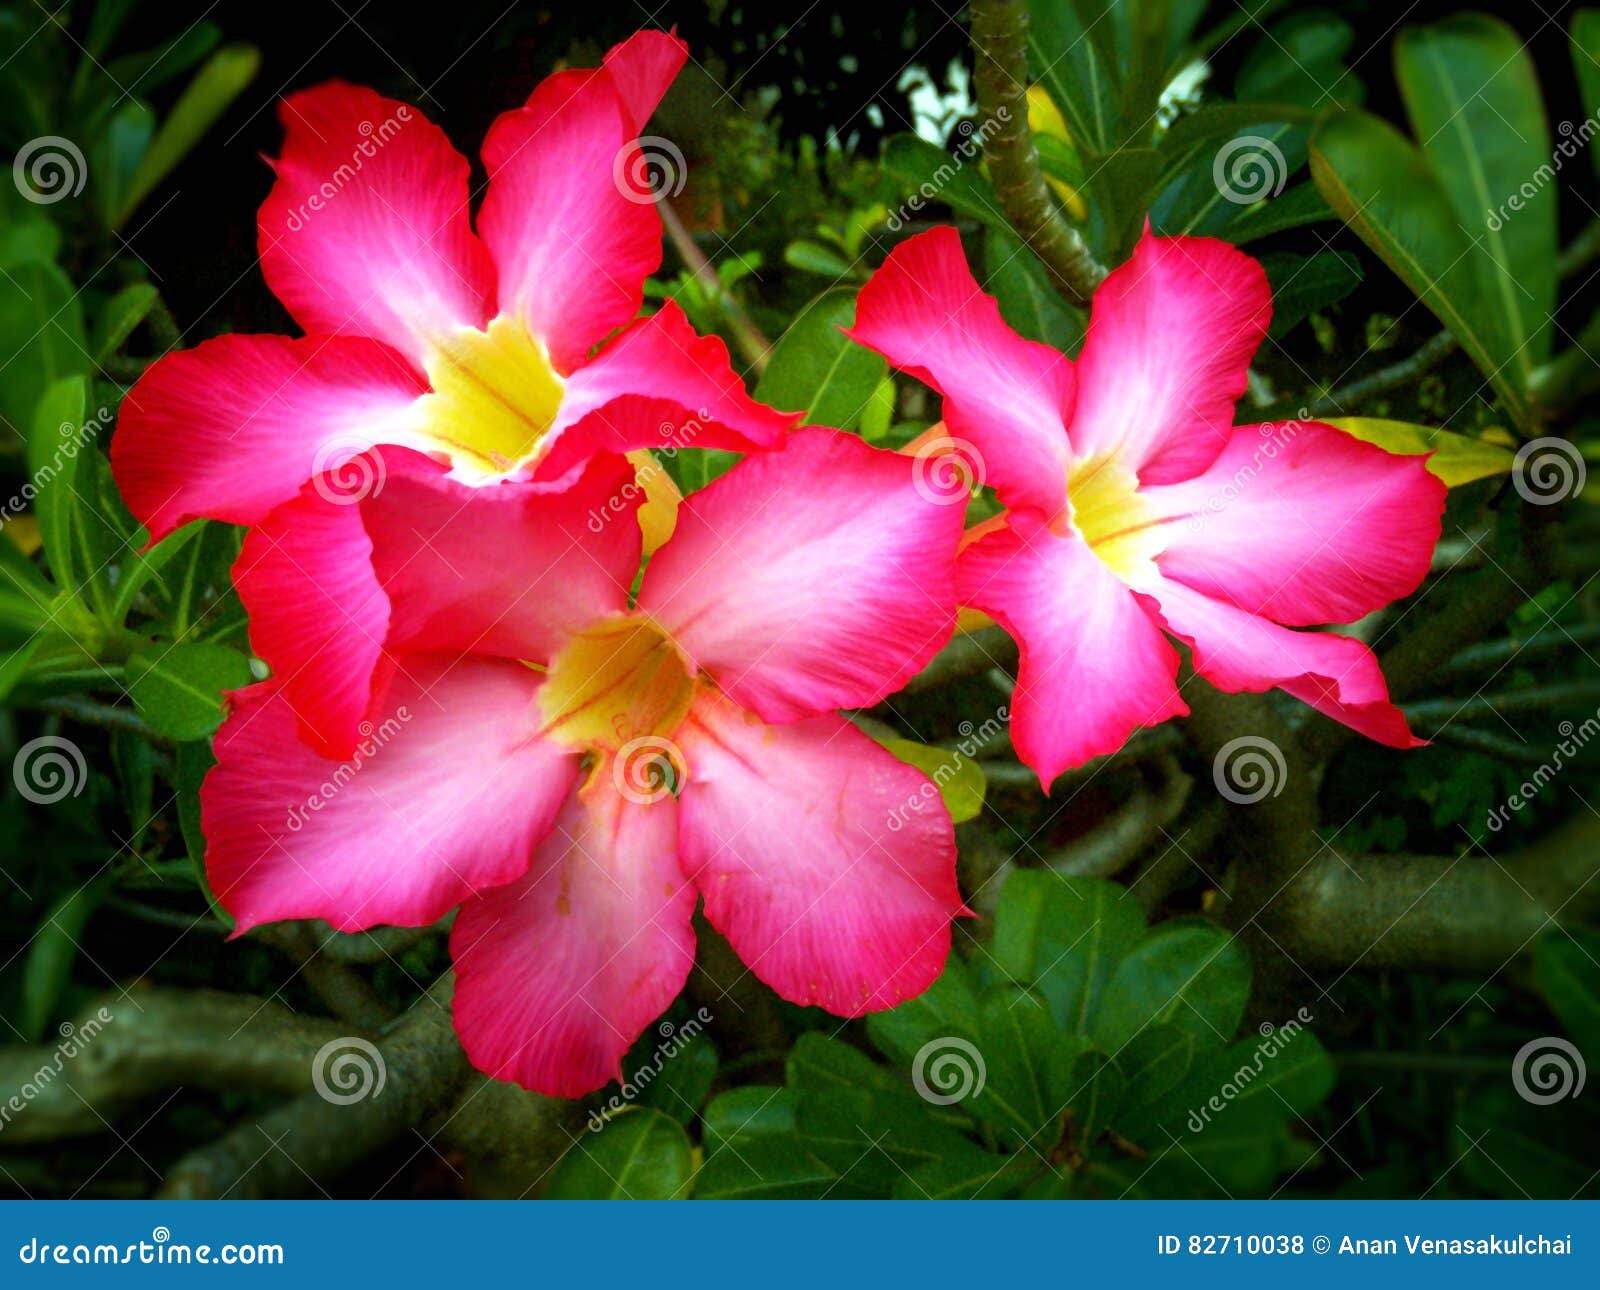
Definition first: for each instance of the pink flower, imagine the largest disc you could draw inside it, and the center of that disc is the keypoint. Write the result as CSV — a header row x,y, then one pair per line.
x,y
1138,509
477,348
531,722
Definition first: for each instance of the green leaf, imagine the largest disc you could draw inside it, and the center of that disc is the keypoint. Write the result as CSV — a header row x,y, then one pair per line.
x,y
1303,284
877,418
1155,1061
1065,936
1510,1148
1092,1086
640,1155
178,688
1019,1055
1386,190
681,1084
928,174
1027,300
1473,97
203,101
1586,59
53,447
152,68
1193,975
122,314
41,339
968,1174
51,954
136,775
948,1007
818,370
872,1139
1293,208
959,780
1566,965
118,154
751,1110
1457,458
763,1167
1301,59
811,258
1077,66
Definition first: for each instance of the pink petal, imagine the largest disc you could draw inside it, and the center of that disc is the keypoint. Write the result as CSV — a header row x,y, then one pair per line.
x,y
450,794
232,428
1171,335
1303,524
559,972
572,234
659,385
1005,398
509,569
642,67
827,863
317,614
1093,665
366,231
1239,651
809,579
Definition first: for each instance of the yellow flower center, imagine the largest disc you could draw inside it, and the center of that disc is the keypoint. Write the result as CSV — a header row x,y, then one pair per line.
x,y
620,681
494,395
1121,527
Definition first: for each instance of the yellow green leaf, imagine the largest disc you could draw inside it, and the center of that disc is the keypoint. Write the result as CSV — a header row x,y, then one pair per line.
x,y
1457,458
958,778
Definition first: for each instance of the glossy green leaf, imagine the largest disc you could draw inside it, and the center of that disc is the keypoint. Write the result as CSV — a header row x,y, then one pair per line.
x,y
121,315
54,443
178,688
1304,284
958,779
1586,62
1193,975
811,258
1014,1072
949,1007
51,954
1028,302
41,340
640,1155
1075,62
1457,458
678,1085
817,370
1566,965
969,1173
929,176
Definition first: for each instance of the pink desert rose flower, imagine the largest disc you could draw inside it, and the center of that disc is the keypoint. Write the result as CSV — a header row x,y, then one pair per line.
x,y
1138,510
476,347
574,768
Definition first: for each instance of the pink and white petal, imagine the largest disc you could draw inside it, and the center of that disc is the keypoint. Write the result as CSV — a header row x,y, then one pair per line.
x,y
571,237
318,617
509,569
234,427
809,579
828,863
450,793
1006,398
659,385
366,231
1303,524
559,972
1093,667
1239,651
642,67
1167,355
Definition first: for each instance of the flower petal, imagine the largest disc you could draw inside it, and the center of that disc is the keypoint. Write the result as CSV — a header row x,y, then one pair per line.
x,y
450,794
572,235
1239,651
559,972
642,67
1093,666
1171,335
827,862
366,231
809,579
232,428
1005,398
659,385
1303,524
